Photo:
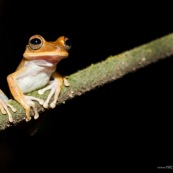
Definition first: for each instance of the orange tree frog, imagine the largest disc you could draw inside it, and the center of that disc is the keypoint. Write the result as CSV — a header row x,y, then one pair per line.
x,y
37,71
4,105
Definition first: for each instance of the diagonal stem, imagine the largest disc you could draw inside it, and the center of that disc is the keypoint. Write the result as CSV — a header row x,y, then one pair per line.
x,y
96,75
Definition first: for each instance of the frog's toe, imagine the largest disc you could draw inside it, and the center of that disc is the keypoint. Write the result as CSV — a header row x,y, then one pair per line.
x,y
11,107
41,92
53,105
41,102
45,105
36,116
27,119
3,110
10,119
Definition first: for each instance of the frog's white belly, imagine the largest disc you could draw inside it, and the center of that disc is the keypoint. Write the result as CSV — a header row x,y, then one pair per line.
x,y
33,78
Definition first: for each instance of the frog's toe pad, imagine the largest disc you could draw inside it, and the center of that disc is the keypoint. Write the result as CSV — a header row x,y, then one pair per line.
x,y
10,119
41,92
27,119
36,116
45,105
53,105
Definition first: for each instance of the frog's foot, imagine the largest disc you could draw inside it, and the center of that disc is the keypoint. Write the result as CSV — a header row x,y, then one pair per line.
x,y
4,107
30,102
54,87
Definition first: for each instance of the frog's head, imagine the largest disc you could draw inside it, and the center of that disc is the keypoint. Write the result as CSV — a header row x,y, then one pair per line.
x,y
52,51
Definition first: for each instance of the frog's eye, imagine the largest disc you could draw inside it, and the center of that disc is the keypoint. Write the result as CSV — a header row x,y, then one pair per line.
x,y
67,43
35,42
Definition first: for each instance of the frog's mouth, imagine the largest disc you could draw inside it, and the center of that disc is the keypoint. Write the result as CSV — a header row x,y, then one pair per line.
x,y
52,58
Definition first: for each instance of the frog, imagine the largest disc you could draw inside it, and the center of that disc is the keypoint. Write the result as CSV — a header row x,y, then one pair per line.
x,y
37,71
5,106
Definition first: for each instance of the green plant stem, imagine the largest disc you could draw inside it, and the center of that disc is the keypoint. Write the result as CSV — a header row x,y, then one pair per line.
x,y
98,74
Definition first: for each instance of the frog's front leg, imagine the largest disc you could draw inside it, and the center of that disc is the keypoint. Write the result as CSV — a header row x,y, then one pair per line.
x,y
26,101
55,88
4,106
30,102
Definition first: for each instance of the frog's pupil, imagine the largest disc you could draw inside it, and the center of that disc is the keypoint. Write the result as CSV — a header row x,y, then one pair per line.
x,y
35,41
68,42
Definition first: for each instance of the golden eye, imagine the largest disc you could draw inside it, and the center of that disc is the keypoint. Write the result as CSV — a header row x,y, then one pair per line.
x,y
67,43
35,42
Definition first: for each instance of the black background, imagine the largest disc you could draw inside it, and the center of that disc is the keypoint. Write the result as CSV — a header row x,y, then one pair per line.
x,y
126,124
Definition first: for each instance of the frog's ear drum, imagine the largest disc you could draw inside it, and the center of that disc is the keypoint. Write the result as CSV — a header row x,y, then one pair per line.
x,y
35,42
